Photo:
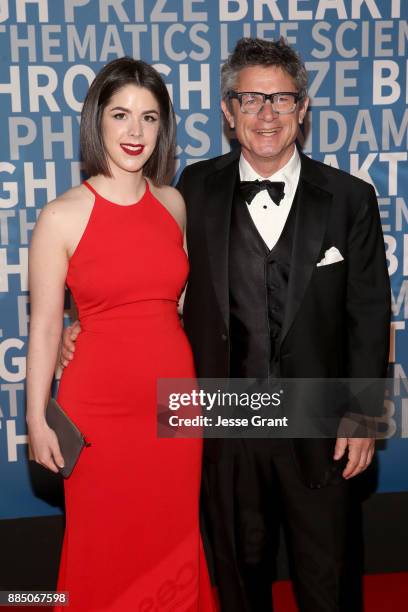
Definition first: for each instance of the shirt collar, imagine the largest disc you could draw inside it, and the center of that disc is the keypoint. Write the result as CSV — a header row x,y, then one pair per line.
x,y
289,174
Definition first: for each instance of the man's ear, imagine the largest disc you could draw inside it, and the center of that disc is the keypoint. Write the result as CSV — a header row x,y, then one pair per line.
x,y
227,114
303,109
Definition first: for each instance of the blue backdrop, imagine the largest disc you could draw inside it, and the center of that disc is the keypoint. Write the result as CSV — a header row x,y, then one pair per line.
x,y
355,52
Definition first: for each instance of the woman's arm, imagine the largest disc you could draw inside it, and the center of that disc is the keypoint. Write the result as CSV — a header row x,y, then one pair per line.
x,y
48,264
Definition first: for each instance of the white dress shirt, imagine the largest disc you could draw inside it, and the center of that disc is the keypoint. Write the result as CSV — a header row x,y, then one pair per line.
x,y
268,218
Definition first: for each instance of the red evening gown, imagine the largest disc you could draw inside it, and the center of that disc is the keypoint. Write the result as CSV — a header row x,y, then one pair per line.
x,y
132,540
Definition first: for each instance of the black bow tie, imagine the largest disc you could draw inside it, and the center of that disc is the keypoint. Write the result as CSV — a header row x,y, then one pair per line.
x,y
250,189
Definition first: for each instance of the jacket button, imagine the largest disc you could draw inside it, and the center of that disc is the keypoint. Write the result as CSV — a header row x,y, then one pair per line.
x,y
224,337
315,485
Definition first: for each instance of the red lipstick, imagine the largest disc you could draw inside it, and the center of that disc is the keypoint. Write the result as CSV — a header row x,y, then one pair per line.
x,y
132,149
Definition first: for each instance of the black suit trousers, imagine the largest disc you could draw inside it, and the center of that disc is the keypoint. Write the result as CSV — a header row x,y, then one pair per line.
x,y
247,493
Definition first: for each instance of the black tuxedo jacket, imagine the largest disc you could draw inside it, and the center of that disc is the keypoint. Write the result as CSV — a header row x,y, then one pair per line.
x,y
337,316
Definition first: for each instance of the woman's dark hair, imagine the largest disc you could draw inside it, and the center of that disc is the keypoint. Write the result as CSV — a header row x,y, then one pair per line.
x,y
114,76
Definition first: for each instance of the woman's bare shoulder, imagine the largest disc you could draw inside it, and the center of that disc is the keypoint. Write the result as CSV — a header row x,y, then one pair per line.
x,y
173,201
170,197
167,192
70,200
72,203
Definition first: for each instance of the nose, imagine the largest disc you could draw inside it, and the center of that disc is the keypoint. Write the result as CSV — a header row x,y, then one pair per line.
x,y
135,127
267,113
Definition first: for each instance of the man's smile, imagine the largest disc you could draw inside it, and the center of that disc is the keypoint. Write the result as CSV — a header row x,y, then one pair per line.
x,y
268,132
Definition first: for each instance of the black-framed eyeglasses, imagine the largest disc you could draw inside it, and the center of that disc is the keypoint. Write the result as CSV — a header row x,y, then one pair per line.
x,y
252,102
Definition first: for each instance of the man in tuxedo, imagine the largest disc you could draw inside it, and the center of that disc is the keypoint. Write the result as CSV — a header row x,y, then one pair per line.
x,y
288,279
261,223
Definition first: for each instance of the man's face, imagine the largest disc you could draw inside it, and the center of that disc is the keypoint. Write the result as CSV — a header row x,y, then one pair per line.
x,y
267,138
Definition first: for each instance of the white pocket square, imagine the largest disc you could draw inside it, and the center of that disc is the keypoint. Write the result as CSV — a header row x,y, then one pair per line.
x,y
331,256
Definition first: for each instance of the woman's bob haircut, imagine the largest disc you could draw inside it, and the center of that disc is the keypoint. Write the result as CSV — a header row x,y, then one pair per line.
x,y
114,76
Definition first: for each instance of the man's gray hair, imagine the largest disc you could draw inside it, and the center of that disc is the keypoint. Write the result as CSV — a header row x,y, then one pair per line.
x,y
259,52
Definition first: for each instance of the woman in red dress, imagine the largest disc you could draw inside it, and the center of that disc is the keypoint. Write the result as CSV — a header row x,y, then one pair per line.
x,y
132,538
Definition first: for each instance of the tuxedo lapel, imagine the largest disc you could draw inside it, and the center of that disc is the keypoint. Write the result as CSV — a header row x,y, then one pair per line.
x,y
314,204
219,189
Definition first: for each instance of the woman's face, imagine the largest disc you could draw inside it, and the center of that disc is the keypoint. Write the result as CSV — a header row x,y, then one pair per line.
x,y
130,125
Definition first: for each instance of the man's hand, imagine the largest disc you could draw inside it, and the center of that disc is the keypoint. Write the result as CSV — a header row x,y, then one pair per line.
x,y
69,336
360,454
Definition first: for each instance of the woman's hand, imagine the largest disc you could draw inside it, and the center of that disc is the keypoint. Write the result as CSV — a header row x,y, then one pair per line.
x,y
44,446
